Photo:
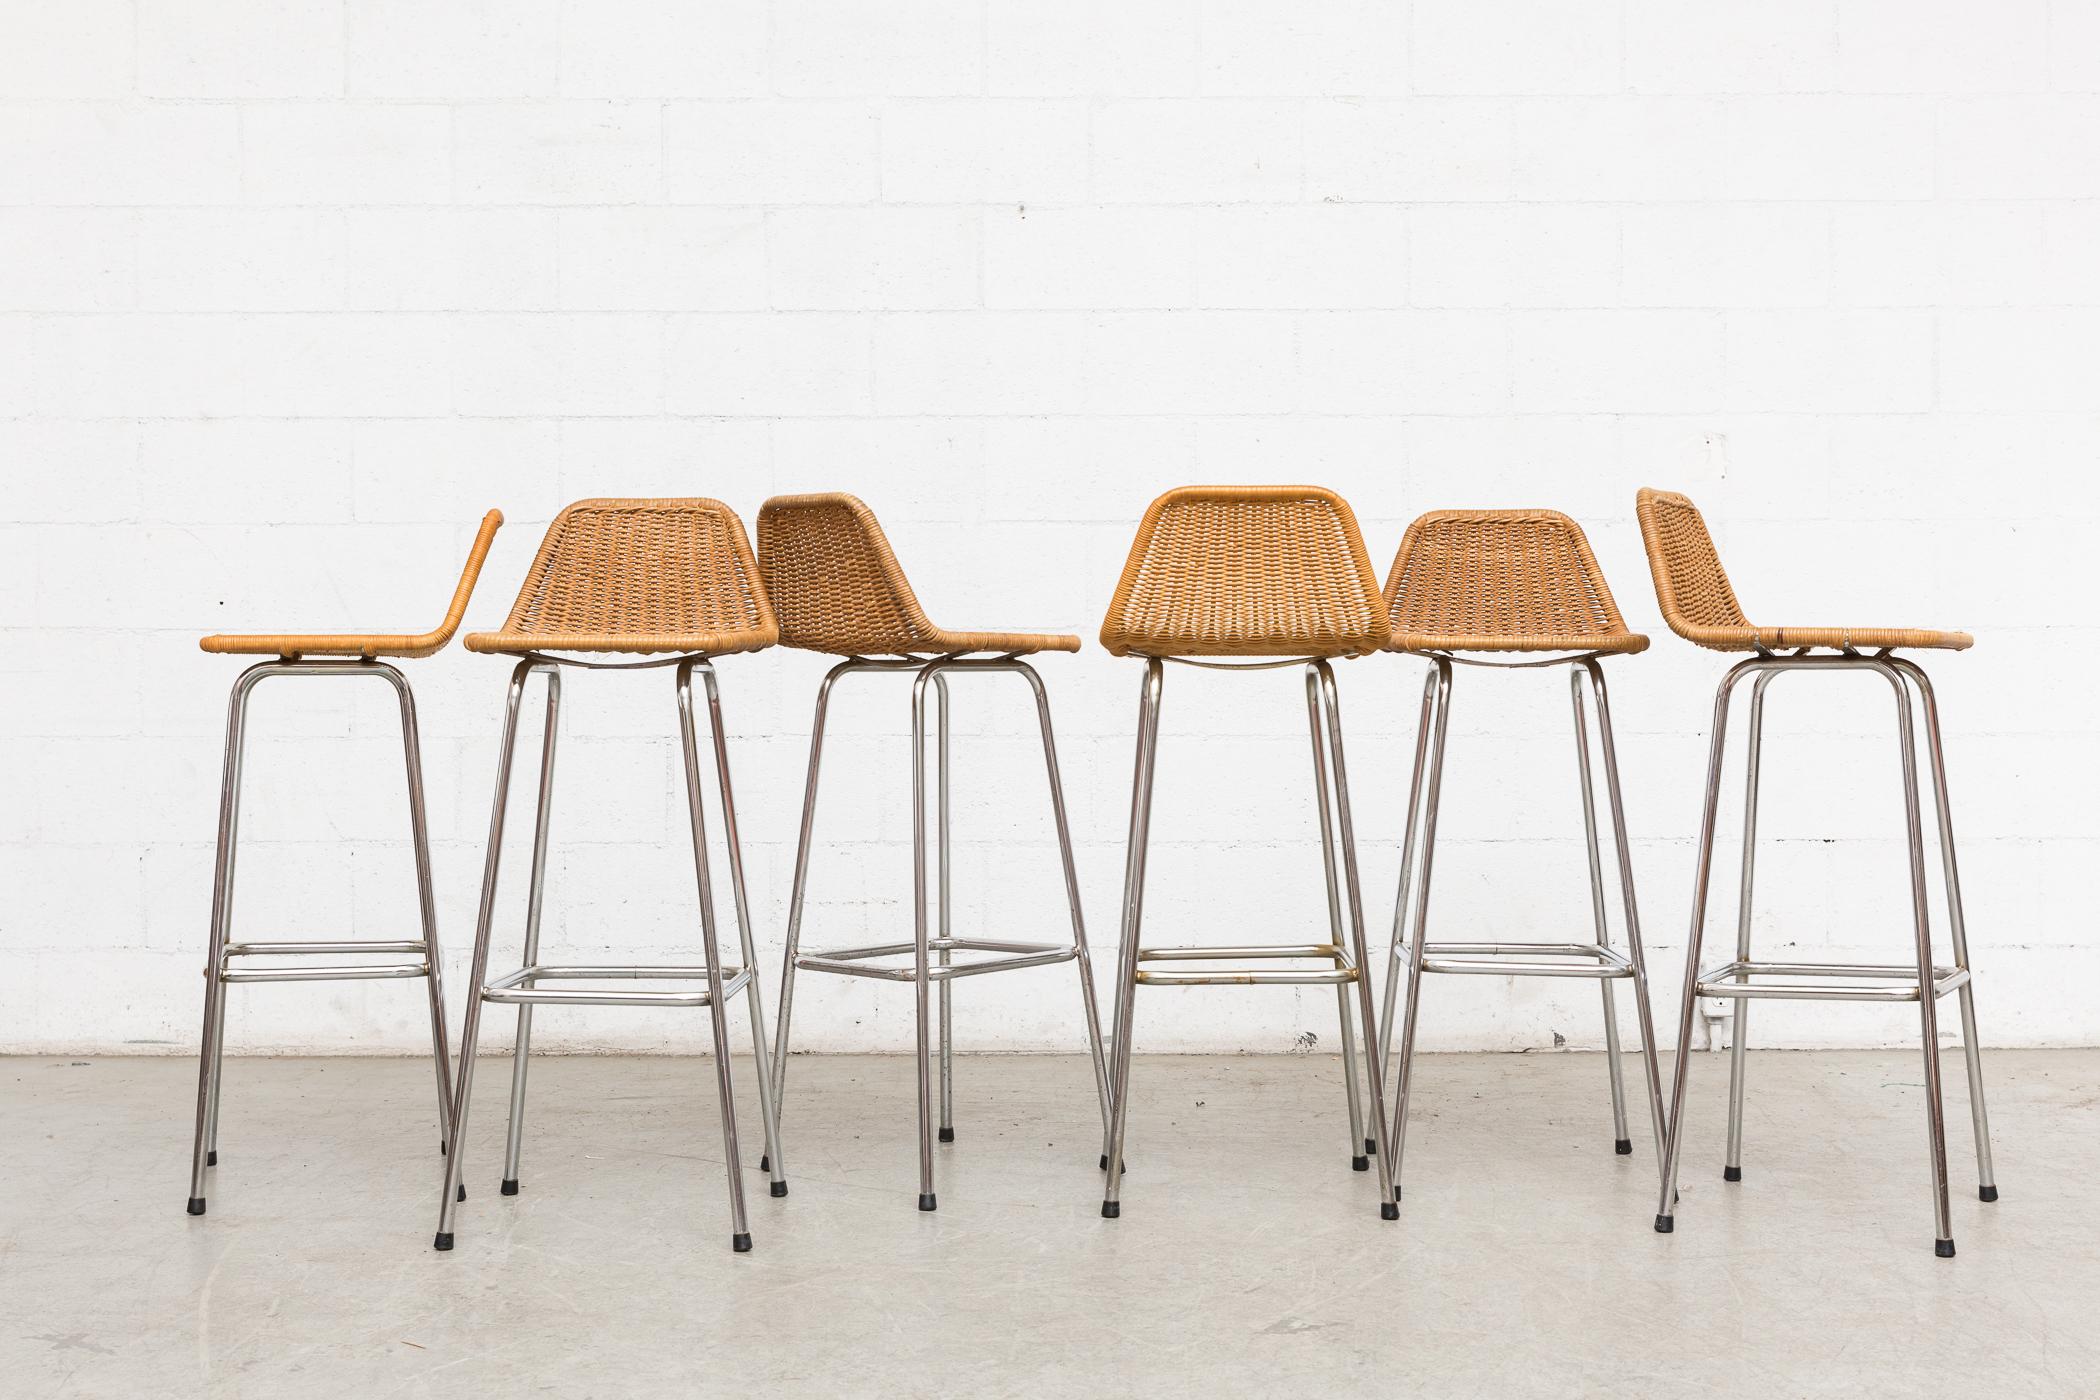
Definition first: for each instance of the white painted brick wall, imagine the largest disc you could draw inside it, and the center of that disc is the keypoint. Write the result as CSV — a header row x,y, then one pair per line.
x,y
292,290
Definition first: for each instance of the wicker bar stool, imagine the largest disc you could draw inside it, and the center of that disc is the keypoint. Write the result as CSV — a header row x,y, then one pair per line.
x,y
355,655
838,589
1512,589
673,583
1257,578
1700,606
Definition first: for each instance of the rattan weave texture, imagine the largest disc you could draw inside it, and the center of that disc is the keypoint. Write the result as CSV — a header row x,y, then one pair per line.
x,y
373,644
639,576
1247,571
837,587
1700,605
1502,580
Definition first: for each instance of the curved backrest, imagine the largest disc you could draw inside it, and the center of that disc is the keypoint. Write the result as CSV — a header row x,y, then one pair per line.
x,y
640,575
1500,580
468,578
833,580
1247,571
1691,588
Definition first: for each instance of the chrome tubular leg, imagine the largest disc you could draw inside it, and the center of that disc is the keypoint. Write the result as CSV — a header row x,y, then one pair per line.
x,y
1071,869
426,899
1429,797
1132,920
1352,882
1987,1185
1644,1012
477,976
1738,1051
1360,1147
1717,748
1621,1143
800,886
754,1001
1928,1005
945,884
1397,955
514,1137
922,984
717,1009
209,1044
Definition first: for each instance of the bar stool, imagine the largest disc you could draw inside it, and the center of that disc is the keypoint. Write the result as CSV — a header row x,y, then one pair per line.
x,y
672,582
839,589
1700,606
1254,578
1512,589
341,655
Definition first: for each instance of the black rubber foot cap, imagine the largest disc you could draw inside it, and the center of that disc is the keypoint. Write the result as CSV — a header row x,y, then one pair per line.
x,y
1370,1146
780,1188
443,1241
946,1135
510,1186
1943,1248
740,1243
1359,1164
1986,1193
1731,1173
442,1148
926,1201
1388,1210
196,1205
765,1164
1664,1224
462,1190
1623,1146
1111,1210
211,1158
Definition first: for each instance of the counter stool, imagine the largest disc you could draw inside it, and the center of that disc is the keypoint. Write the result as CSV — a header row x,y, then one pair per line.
x,y
671,582
838,588
352,655
1701,607
1256,578
1512,589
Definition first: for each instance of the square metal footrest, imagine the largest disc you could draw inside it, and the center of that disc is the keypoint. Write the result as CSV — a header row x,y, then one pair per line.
x,y
1526,959
1339,968
327,972
854,962
1825,981
521,988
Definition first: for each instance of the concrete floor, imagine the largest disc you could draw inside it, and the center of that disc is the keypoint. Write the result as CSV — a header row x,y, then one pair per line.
x,y
1249,1260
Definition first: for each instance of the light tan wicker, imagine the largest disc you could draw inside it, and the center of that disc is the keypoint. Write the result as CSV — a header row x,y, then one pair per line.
x,y
295,644
1247,571
1700,606
639,576
1502,580
837,587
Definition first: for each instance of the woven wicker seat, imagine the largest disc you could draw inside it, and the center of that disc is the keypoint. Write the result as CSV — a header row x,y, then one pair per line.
x,y
836,587
1247,571
1700,606
369,644
639,576
1502,580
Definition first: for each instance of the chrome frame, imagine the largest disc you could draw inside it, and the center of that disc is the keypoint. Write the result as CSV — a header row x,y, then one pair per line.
x,y
1835,981
220,970
1346,965
522,988
1598,960
941,944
